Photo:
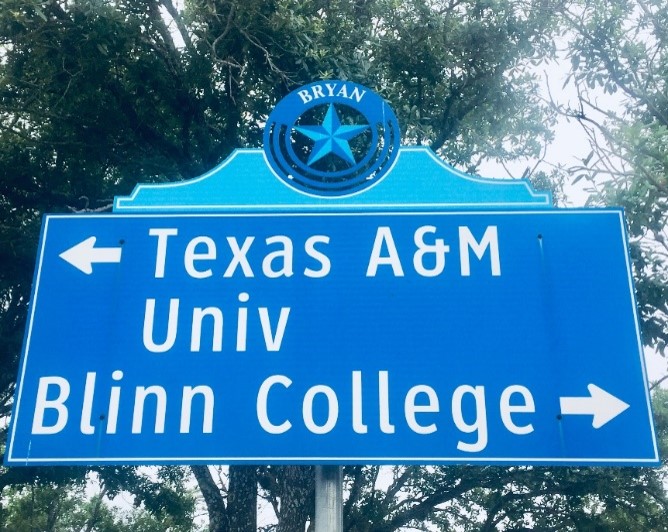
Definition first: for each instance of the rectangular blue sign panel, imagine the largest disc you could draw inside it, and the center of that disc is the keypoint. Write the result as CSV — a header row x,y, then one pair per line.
x,y
447,337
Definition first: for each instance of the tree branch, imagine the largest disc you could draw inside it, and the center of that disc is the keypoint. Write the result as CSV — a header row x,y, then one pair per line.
x,y
218,519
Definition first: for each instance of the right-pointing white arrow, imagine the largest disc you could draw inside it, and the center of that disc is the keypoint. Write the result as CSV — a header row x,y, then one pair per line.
x,y
602,405
84,254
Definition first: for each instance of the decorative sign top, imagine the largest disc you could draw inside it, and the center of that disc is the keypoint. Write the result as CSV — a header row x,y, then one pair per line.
x,y
420,180
329,146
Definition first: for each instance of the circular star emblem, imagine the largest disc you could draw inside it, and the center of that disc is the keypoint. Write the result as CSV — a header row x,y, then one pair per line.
x,y
331,138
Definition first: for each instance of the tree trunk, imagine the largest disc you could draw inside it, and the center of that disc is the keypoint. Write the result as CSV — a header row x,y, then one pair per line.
x,y
242,499
52,514
95,512
297,494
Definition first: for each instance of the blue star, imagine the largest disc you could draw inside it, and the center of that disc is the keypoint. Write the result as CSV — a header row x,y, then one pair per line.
x,y
331,137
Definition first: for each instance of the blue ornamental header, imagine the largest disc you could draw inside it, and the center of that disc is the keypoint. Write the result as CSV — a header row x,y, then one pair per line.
x,y
330,146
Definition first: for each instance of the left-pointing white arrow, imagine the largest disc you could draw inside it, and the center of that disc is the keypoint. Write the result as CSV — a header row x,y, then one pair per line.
x,y
84,254
601,404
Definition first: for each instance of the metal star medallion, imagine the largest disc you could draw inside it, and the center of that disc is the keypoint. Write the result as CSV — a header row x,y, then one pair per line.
x,y
331,137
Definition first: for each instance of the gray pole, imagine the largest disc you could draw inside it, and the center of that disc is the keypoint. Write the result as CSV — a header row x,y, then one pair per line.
x,y
328,499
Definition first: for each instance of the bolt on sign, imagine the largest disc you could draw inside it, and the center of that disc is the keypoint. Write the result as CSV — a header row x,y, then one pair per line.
x,y
333,298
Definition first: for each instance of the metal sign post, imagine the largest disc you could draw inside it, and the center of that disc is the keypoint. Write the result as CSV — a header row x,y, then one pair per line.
x,y
328,499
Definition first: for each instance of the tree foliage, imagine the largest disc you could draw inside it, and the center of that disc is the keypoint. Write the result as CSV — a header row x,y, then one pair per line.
x,y
98,95
51,507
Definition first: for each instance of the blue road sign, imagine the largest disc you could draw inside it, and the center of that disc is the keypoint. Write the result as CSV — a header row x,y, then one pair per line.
x,y
498,337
